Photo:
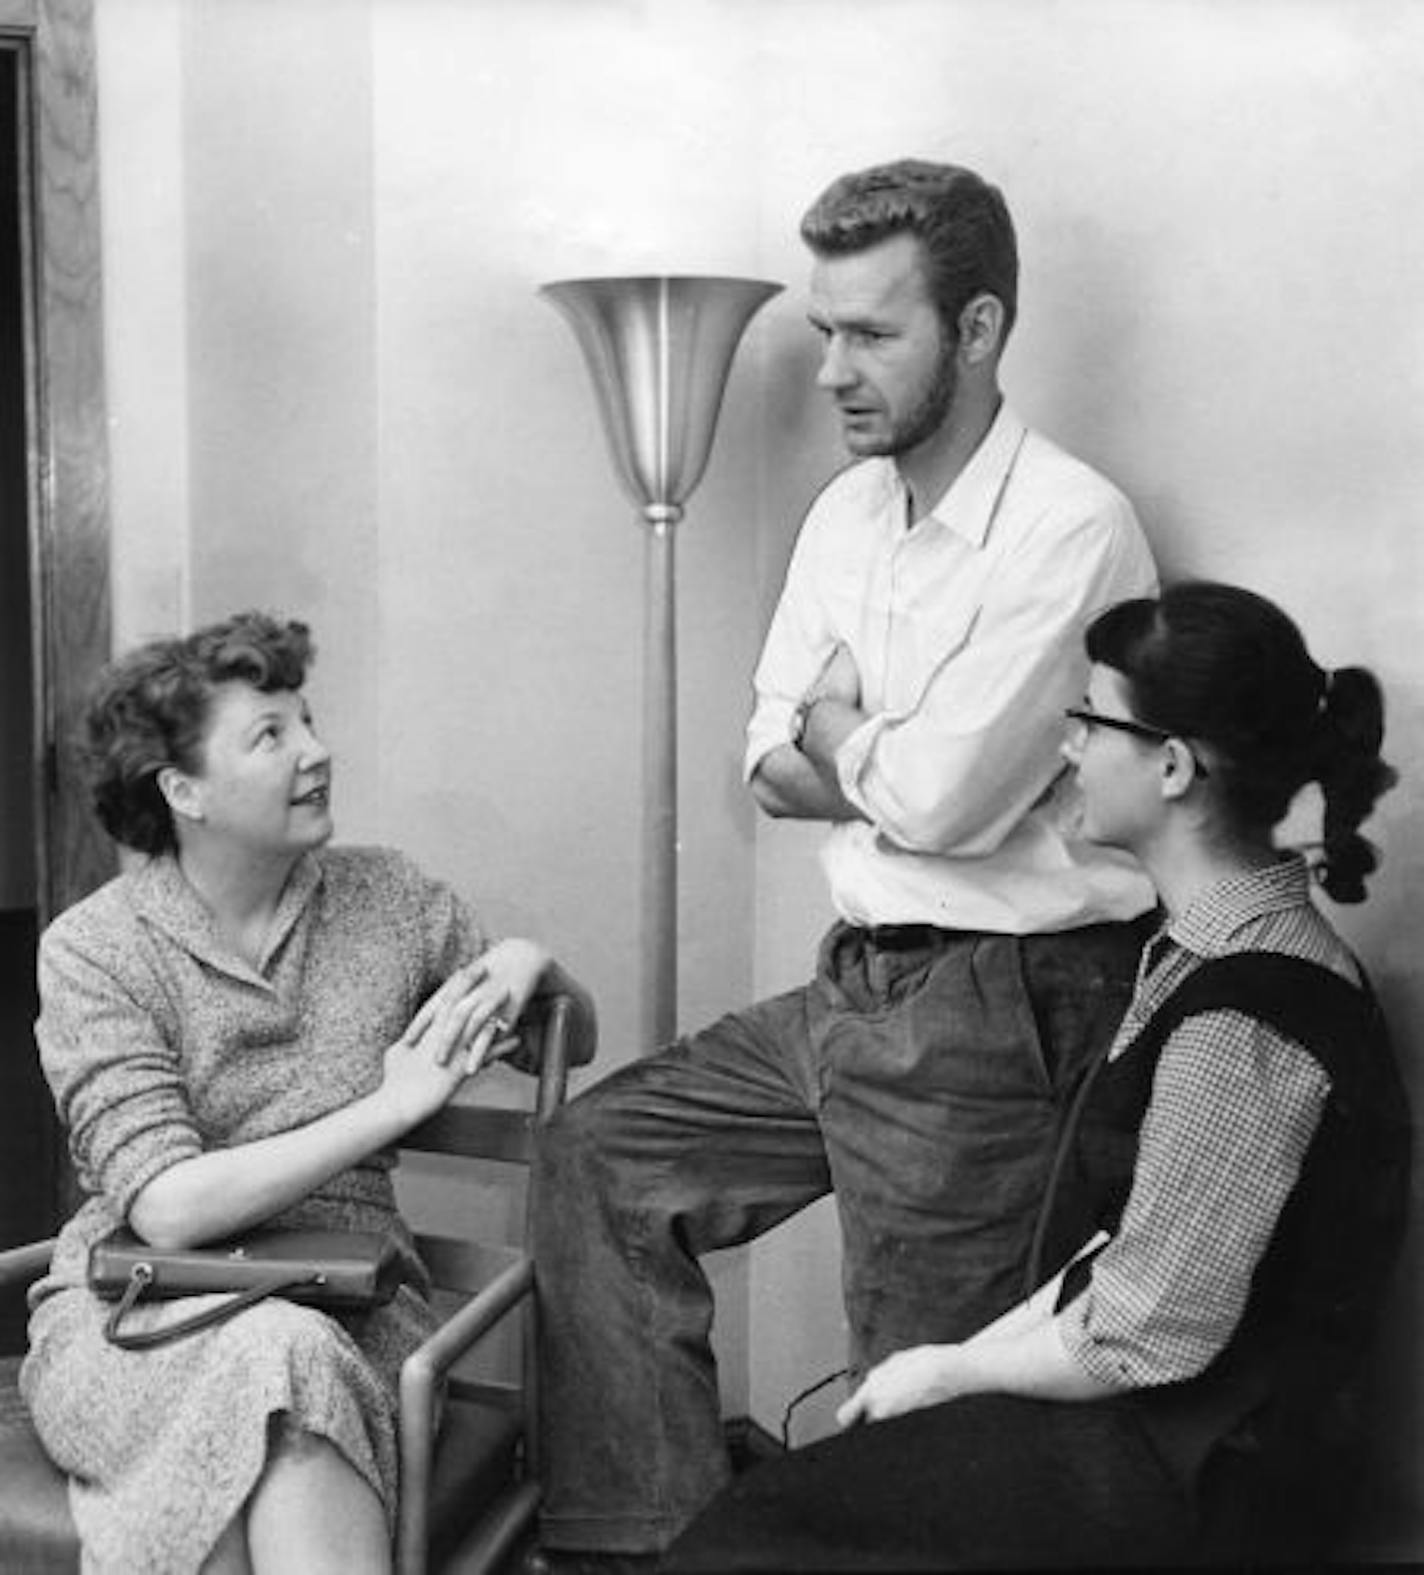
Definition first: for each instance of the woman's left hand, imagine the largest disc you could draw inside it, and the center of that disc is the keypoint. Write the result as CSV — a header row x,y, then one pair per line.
x,y
906,1381
500,982
512,970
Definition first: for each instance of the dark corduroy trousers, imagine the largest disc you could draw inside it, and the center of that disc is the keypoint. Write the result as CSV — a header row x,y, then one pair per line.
x,y
921,1076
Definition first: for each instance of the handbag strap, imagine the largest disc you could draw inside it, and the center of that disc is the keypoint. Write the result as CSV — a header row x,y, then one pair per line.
x,y
141,1277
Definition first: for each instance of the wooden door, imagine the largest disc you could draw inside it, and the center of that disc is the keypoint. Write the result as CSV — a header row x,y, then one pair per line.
x,y
54,538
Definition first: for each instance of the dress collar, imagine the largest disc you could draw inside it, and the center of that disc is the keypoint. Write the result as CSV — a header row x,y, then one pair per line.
x,y
163,897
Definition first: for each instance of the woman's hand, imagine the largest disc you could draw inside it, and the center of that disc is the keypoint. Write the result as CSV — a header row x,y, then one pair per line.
x,y
431,1058
1022,1353
906,1381
512,971
479,1005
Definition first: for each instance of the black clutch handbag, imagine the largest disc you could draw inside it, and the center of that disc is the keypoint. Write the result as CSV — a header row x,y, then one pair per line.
x,y
348,1270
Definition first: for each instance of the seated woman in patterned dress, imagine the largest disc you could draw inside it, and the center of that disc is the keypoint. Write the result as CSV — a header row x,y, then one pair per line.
x,y
1242,1149
237,1030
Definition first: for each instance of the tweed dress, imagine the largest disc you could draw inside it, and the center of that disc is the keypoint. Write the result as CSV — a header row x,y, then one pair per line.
x,y
159,1043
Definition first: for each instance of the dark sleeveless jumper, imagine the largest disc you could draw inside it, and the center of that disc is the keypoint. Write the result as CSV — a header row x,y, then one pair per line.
x,y
1319,1285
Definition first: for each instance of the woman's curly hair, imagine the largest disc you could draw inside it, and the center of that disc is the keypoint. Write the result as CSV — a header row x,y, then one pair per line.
x,y
149,710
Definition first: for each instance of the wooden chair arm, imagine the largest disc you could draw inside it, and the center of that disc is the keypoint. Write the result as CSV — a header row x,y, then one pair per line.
x,y
550,1029
21,1265
561,997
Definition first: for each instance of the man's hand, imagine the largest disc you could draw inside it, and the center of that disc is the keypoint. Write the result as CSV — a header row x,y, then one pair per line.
x,y
788,786
838,680
833,711
800,782
906,1381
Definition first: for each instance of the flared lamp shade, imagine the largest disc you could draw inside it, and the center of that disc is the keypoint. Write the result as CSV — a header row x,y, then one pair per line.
x,y
658,348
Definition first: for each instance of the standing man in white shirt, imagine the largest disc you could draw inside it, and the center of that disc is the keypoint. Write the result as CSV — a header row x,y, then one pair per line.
x,y
911,691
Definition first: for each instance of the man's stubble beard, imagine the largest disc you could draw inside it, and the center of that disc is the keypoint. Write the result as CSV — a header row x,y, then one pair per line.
x,y
925,418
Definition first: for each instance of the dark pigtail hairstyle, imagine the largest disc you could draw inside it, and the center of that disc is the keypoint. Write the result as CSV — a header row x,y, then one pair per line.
x,y
1350,732
1228,668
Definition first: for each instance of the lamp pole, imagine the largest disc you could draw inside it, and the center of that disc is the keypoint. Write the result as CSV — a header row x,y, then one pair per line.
x,y
658,348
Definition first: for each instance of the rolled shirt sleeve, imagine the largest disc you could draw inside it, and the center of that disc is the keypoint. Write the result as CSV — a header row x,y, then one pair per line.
x,y
957,770
801,640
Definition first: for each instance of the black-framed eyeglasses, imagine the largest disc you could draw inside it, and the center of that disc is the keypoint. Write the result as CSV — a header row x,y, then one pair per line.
x,y
1130,725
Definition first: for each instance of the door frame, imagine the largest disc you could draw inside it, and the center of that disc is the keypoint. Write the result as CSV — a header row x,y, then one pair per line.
x,y
67,421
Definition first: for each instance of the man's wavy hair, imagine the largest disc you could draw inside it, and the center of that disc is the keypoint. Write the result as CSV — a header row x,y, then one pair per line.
x,y
150,708
962,221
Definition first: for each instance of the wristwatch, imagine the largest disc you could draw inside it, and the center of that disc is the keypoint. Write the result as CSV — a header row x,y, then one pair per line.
x,y
799,718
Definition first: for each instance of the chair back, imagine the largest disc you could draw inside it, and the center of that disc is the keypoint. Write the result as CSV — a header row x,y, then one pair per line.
x,y
491,1398
487,1138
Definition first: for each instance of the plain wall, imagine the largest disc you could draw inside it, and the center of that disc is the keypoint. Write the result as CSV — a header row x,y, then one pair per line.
x,y
335,391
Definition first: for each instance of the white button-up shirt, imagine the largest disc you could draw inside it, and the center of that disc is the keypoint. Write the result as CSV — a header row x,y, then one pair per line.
x,y
967,631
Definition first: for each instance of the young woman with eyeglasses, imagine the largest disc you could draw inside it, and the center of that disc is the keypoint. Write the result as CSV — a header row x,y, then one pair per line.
x,y
1229,1192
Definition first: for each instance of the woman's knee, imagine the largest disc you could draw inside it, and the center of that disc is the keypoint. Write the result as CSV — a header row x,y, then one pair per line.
x,y
314,1511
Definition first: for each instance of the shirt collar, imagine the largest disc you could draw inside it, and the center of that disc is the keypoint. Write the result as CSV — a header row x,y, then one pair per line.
x,y
968,506
164,898
1210,923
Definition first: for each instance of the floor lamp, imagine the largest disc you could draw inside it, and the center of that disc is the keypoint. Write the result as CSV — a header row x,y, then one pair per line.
x,y
658,348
